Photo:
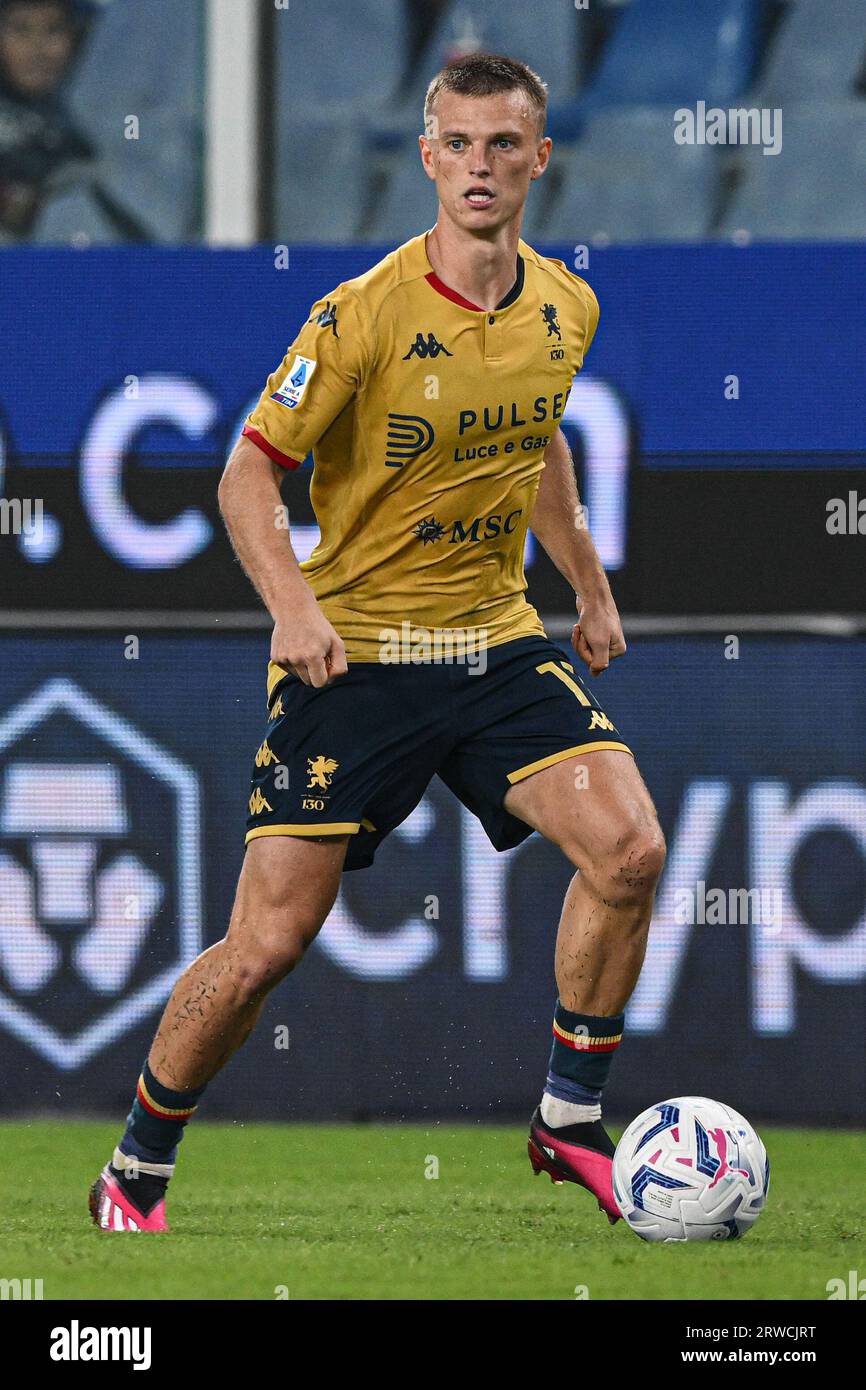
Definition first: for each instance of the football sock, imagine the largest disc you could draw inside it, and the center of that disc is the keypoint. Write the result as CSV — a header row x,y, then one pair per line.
x,y
557,1113
143,1183
583,1048
155,1124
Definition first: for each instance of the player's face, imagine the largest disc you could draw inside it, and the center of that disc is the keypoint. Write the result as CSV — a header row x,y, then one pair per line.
x,y
483,153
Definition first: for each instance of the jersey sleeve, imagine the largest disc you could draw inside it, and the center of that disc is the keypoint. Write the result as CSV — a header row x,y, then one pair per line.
x,y
585,307
593,312
320,373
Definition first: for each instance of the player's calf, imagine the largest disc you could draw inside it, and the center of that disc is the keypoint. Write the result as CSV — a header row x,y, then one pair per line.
x,y
600,949
284,896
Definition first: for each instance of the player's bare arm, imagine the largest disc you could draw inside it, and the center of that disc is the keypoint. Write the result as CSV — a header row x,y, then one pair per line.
x,y
558,523
249,497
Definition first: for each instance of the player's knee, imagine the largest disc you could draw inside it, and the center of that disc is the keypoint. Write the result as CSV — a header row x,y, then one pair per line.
x,y
259,970
626,874
651,851
271,954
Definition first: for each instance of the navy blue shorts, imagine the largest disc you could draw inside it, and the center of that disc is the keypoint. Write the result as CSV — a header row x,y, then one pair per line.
x,y
356,757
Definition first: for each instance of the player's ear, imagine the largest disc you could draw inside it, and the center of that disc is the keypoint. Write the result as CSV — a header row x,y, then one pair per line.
x,y
426,156
542,157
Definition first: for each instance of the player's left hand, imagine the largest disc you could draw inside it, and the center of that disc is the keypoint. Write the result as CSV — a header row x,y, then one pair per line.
x,y
597,635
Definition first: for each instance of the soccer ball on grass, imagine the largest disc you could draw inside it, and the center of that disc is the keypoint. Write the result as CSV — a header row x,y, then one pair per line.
x,y
690,1169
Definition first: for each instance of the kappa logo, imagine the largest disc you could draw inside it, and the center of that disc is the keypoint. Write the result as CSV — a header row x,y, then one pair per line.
x,y
549,314
291,393
408,436
429,347
277,712
259,803
600,721
266,755
327,317
320,771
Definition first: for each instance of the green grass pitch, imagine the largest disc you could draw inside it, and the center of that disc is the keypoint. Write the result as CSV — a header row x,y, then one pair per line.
x,y
261,1211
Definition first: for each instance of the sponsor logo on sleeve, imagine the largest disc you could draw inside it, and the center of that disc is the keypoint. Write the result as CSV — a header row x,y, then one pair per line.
x,y
291,392
326,318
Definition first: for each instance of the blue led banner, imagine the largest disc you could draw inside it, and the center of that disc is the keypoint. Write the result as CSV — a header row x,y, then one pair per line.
x,y
724,383
123,785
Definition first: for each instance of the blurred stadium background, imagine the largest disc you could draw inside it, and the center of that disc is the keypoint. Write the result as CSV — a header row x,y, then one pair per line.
x,y
178,182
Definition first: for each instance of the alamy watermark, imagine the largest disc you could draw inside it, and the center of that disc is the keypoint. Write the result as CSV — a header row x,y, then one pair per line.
x,y
21,516
714,125
737,907
422,646
20,1289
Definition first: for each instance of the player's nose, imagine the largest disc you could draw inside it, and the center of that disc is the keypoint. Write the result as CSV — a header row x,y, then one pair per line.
x,y
480,164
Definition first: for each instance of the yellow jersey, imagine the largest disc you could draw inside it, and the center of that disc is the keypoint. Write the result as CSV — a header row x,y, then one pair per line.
x,y
428,418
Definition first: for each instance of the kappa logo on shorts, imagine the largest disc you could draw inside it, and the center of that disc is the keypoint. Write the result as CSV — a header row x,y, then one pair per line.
x,y
600,721
291,393
277,712
258,803
320,771
266,755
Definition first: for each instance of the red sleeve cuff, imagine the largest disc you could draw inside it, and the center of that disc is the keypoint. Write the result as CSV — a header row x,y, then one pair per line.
x,y
268,448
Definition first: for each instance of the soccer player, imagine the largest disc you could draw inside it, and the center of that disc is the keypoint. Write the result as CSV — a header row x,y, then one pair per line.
x,y
430,391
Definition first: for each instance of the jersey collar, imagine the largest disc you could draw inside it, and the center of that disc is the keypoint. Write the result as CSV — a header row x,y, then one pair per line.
x,y
441,288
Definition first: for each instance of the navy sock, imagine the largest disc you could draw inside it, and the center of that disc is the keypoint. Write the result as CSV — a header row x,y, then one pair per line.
x,y
583,1048
155,1124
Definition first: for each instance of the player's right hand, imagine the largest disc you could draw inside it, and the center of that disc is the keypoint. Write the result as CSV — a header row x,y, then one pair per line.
x,y
310,647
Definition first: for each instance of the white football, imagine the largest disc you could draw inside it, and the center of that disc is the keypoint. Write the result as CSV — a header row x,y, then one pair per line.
x,y
690,1169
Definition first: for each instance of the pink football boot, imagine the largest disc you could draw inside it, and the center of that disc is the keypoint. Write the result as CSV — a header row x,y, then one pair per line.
x,y
576,1153
122,1200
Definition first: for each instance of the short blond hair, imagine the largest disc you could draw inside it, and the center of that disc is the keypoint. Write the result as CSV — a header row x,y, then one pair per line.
x,y
484,75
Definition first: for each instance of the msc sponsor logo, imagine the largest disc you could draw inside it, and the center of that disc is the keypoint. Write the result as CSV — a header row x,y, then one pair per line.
x,y
482,528
408,436
429,530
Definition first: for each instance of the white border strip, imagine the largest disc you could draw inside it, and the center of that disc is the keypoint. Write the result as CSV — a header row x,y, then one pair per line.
x,y
667,625
635,625
231,123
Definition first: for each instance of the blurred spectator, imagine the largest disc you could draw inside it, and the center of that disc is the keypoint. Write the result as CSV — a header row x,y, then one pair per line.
x,y
39,44
423,17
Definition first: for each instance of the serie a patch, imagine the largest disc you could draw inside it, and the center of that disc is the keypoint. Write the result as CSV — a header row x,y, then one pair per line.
x,y
291,391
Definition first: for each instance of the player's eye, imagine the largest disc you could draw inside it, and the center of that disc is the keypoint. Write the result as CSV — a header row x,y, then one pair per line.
x,y
456,144
504,144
